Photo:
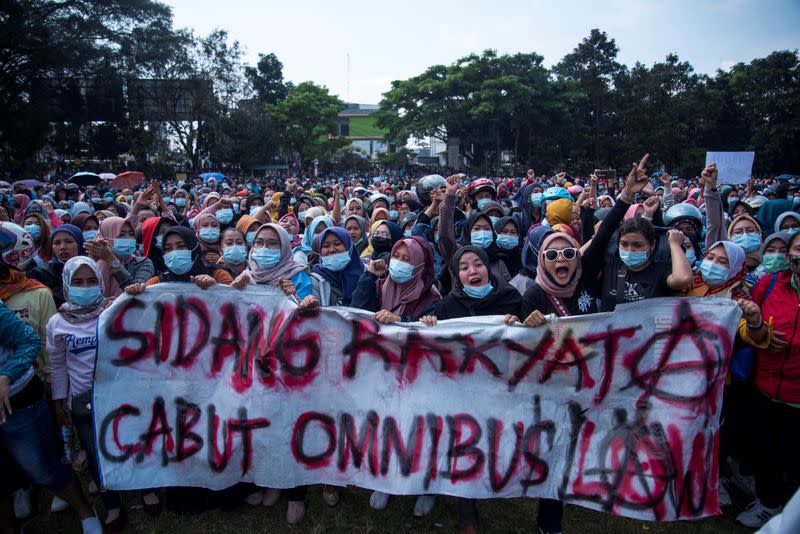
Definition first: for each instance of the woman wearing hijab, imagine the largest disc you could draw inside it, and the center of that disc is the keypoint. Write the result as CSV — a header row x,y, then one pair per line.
x,y
208,232
379,214
406,294
476,291
745,231
183,262
115,253
769,212
67,242
354,206
26,428
153,230
788,222
509,243
335,277
73,366
356,226
270,262
382,237
248,225
304,252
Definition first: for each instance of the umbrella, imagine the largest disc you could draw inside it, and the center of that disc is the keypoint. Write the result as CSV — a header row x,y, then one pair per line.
x,y
30,184
107,176
127,180
215,175
84,178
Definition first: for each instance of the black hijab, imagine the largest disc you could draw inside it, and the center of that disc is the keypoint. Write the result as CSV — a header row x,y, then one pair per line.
x,y
466,237
502,300
511,257
198,266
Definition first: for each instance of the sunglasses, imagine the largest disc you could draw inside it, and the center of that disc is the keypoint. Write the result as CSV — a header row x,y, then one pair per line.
x,y
552,254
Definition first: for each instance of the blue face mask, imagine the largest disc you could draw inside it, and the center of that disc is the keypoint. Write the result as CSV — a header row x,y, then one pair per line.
x,y
436,238
160,241
393,215
481,238
713,274
179,261
234,254
224,216
795,201
507,242
792,231
478,292
336,262
633,259
482,202
774,263
88,235
209,235
494,219
124,246
302,216
250,237
749,242
407,233
180,202
266,258
254,210
34,229
84,296
166,200
400,271
691,256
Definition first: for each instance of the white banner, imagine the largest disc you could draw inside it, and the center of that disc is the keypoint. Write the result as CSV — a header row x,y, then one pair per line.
x,y
617,412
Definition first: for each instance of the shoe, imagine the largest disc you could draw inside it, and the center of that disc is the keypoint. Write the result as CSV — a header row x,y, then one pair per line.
x,y
58,504
295,512
544,532
755,515
271,497
724,496
424,505
22,503
254,499
330,495
378,500
153,507
91,525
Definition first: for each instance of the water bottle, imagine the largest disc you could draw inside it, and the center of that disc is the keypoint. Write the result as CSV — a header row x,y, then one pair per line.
x,y
66,438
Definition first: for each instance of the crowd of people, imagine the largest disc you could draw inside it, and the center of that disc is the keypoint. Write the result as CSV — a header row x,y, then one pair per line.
x,y
427,248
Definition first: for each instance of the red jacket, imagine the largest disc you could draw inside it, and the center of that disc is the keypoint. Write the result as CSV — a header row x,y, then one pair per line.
x,y
777,375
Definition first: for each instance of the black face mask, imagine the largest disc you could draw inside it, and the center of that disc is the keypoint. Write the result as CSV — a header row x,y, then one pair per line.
x,y
381,244
794,264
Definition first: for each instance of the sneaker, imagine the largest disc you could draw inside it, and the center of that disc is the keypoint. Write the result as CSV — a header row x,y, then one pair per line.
x,y
254,499
724,496
755,515
91,525
544,532
330,495
58,504
22,503
424,505
271,496
295,512
378,500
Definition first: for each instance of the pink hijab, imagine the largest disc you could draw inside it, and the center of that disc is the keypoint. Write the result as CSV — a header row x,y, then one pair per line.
x,y
197,225
295,238
545,280
633,211
22,202
411,298
110,229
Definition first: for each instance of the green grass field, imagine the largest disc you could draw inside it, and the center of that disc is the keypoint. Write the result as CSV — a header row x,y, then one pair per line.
x,y
353,515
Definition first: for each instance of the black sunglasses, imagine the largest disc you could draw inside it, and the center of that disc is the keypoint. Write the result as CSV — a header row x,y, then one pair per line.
x,y
551,254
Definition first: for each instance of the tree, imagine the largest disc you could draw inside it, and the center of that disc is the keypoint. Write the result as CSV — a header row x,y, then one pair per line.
x,y
266,79
247,136
593,66
307,118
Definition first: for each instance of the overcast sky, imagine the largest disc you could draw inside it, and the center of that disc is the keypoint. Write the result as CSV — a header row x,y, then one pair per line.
x,y
395,40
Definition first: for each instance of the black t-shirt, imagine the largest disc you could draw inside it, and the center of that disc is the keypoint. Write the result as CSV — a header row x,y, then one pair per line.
x,y
582,302
620,284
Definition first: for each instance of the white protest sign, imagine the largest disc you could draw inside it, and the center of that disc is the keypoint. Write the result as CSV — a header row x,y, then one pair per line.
x,y
616,411
732,167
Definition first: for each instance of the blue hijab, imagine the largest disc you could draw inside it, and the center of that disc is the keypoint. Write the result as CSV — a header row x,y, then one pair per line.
x,y
345,280
307,244
74,231
530,251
